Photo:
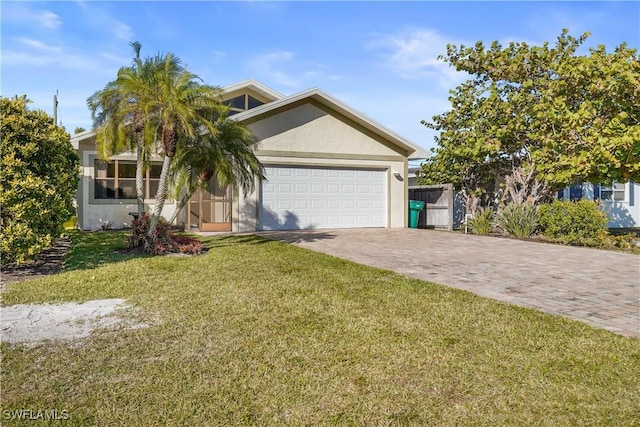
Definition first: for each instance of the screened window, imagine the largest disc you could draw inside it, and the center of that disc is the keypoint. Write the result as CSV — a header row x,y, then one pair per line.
x,y
116,180
613,192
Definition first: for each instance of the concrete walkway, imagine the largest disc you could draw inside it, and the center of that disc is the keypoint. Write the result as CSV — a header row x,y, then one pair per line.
x,y
601,288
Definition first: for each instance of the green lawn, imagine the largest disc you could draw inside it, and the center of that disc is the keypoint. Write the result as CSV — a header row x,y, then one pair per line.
x,y
256,332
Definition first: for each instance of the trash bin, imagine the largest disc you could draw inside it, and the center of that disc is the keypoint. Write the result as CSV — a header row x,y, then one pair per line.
x,y
415,206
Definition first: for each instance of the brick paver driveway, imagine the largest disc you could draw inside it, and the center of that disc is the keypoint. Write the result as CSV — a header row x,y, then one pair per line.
x,y
601,288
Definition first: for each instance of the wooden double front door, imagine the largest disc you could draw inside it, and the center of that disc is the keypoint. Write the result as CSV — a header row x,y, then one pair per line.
x,y
209,209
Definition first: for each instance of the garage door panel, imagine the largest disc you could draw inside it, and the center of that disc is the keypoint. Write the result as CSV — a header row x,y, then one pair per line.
x,y
304,198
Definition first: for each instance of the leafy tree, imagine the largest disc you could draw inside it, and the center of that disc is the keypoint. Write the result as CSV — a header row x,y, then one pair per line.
x,y
535,118
78,130
38,180
227,154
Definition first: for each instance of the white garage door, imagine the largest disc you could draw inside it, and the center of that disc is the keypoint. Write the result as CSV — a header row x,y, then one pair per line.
x,y
309,198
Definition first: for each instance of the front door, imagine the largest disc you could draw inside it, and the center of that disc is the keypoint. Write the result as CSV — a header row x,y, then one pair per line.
x,y
210,208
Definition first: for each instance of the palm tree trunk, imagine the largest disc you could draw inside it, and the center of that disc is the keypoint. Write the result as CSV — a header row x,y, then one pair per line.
x,y
181,204
161,196
187,195
139,174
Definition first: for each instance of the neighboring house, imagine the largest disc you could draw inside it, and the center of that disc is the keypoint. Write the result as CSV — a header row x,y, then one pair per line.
x,y
327,166
412,176
621,202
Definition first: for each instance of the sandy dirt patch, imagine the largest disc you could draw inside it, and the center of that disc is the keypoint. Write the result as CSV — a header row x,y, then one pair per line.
x,y
33,323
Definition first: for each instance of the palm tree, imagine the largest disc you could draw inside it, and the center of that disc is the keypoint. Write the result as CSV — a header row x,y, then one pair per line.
x,y
118,114
227,154
181,108
160,102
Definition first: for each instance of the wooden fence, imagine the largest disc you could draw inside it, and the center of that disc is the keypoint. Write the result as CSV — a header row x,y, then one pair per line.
x,y
438,205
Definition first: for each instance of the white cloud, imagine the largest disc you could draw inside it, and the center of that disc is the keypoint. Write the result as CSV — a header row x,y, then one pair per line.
x,y
413,54
283,67
270,65
98,16
36,44
39,18
122,31
35,53
48,19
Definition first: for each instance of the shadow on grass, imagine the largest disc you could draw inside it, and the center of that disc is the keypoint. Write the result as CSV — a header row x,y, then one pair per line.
x,y
297,236
213,242
91,249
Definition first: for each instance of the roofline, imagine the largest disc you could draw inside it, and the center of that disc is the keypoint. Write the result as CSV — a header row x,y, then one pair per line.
x,y
280,101
328,100
256,86
75,139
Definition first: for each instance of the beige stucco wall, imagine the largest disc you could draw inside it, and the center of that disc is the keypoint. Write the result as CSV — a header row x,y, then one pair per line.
x,y
308,135
92,214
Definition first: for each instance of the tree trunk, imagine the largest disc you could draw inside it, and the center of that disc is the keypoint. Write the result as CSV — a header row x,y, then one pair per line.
x,y
161,196
181,204
187,195
139,174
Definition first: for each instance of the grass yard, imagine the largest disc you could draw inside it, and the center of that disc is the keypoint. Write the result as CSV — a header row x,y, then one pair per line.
x,y
256,332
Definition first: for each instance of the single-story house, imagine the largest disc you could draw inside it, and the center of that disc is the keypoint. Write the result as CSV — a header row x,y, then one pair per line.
x,y
620,201
327,166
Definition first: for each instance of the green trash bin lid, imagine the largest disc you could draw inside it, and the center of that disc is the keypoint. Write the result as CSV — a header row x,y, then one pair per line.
x,y
416,204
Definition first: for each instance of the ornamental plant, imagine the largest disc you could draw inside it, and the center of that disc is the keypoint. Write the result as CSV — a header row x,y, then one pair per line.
x,y
164,241
576,223
482,222
519,220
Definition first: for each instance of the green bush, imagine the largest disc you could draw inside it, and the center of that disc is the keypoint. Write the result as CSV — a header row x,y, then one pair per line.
x,y
623,241
482,222
38,179
576,223
518,219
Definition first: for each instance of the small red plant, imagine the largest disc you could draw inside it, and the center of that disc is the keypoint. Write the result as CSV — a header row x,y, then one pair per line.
x,y
163,241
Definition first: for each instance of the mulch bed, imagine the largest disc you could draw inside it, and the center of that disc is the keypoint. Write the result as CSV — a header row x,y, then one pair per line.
x,y
47,262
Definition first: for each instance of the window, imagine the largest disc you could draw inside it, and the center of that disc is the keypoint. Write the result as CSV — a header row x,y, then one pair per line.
x,y
116,180
237,102
613,192
242,103
252,102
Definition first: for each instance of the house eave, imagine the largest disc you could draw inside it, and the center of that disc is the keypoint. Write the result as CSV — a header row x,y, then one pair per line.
x,y
413,151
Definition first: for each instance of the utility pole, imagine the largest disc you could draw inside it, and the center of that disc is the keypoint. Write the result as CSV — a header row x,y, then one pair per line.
x,y
55,108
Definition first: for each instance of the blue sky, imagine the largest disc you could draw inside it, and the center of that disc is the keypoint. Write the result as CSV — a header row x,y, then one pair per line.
x,y
379,57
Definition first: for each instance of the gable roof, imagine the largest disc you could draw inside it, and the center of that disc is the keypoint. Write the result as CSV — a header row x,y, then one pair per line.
x,y
413,151
280,101
253,86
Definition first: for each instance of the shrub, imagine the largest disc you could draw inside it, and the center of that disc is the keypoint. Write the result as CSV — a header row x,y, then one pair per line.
x,y
518,219
482,222
576,223
164,242
623,241
38,179
187,245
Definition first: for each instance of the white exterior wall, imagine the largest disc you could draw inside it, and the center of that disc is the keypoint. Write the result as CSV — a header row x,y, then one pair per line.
x,y
624,213
92,214
621,213
309,136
